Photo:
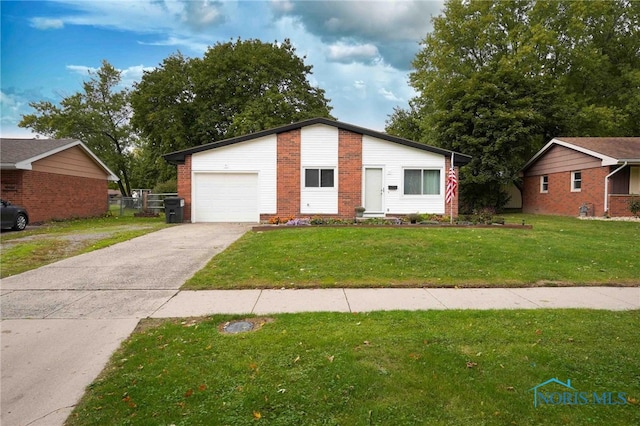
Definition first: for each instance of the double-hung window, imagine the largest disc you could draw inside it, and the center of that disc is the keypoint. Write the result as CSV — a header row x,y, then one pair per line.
x,y
576,181
421,182
544,183
318,178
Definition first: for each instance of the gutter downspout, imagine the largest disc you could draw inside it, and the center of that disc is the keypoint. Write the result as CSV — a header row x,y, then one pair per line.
x,y
606,186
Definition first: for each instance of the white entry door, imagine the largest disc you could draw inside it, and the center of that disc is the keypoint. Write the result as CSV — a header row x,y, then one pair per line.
x,y
373,190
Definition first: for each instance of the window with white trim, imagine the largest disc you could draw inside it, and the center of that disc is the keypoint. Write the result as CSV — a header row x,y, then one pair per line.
x,y
318,178
421,182
576,181
544,183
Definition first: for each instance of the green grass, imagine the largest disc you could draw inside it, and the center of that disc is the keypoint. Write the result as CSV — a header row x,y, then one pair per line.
x,y
382,368
38,246
557,251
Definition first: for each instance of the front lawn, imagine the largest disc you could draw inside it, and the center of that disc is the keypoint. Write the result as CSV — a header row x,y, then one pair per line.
x,y
557,251
381,368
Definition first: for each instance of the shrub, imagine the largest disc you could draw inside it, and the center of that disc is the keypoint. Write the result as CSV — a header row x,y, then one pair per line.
x,y
298,221
414,217
317,220
484,215
170,186
634,206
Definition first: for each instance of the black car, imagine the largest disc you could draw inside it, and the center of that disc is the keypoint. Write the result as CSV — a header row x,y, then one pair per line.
x,y
14,217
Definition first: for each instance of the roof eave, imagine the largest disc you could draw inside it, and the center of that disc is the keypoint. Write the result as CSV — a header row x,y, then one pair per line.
x,y
178,157
605,159
21,165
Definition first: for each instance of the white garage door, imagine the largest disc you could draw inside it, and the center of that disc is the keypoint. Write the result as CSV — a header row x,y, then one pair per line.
x,y
226,197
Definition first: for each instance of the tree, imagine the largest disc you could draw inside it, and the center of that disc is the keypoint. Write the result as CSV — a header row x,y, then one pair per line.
x,y
406,124
496,80
98,116
236,88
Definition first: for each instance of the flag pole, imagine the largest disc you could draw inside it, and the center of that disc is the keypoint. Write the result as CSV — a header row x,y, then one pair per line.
x,y
451,166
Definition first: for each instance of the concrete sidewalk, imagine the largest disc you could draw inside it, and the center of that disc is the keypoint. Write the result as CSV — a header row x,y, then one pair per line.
x,y
199,303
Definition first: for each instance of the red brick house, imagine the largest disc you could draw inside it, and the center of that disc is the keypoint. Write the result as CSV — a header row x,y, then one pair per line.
x,y
314,167
53,178
599,175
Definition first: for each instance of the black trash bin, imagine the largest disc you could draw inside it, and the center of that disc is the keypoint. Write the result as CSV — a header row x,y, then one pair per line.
x,y
173,209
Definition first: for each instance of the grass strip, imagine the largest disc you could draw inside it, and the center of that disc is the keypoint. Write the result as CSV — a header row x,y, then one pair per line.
x,y
401,368
39,246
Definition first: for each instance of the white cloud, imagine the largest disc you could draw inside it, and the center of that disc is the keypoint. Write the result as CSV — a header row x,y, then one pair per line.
x,y
201,14
10,104
341,52
284,6
47,23
128,76
185,23
133,74
140,16
394,27
81,69
192,43
12,107
388,95
359,84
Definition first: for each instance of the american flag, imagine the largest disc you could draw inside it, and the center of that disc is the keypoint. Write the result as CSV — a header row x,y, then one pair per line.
x,y
452,185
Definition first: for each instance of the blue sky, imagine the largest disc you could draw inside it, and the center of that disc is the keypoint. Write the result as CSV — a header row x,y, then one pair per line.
x,y
361,51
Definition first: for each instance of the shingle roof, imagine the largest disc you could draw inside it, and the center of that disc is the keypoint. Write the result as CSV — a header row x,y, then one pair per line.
x,y
610,150
618,148
20,153
179,156
16,150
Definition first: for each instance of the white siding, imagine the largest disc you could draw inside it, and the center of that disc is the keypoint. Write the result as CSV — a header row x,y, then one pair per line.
x,y
255,156
396,158
319,149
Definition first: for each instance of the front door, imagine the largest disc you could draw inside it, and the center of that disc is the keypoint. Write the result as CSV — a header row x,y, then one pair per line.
x,y
373,190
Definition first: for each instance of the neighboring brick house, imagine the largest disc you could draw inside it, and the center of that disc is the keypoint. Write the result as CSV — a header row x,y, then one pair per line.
x,y
53,178
599,175
314,167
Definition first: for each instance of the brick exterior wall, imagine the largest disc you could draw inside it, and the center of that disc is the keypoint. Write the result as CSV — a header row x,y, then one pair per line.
x,y
49,196
619,205
349,173
559,199
288,174
11,186
184,187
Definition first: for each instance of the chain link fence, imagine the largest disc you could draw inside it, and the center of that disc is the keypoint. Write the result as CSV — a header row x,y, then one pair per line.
x,y
142,201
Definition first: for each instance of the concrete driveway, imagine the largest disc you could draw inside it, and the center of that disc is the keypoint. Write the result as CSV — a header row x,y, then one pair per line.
x,y
61,323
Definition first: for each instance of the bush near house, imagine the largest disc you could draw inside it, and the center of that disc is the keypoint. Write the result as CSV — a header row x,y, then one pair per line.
x,y
634,206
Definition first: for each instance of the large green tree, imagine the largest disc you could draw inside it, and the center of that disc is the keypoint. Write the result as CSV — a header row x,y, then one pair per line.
x,y
98,116
497,79
237,88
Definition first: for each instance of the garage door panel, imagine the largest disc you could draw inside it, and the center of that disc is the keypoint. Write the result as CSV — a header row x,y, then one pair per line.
x,y
226,197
